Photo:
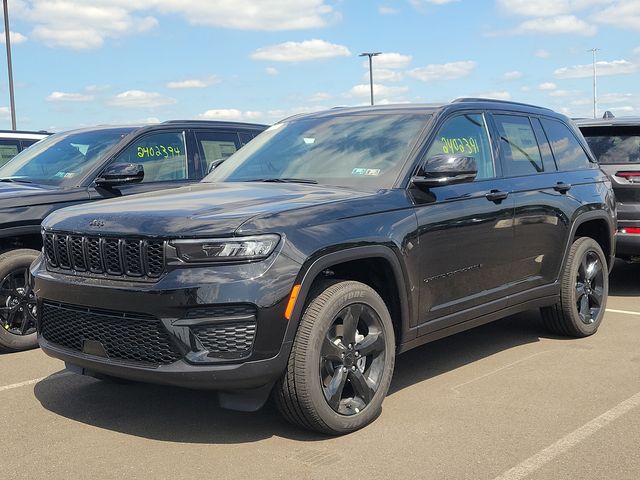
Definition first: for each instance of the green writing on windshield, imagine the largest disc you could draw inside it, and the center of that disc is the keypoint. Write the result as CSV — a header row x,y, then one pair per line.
x,y
164,151
460,145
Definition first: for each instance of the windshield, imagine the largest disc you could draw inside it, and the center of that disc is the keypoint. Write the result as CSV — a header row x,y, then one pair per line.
x,y
63,158
359,151
614,144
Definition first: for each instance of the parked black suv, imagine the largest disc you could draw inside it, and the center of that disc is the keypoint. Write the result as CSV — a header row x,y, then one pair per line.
x,y
85,165
615,142
332,242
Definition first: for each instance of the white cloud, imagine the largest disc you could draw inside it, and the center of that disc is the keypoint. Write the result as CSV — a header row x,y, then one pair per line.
x,y
301,51
80,24
384,75
445,71
636,51
318,97
562,93
194,82
140,99
563,24
497,95
15,38
232,114
391,60
624,13
379,90
271,71
615,67
547,8
547,86
384,10
68,97
542,53
514,75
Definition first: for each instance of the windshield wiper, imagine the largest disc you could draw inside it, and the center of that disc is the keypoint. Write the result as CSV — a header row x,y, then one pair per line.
x,y
286,180
14,180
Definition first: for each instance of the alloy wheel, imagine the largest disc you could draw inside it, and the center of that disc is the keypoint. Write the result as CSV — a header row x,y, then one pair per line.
x,y
17,303
589,287
352,359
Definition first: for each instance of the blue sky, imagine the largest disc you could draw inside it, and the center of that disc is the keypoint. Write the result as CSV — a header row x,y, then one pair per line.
x,y
82,62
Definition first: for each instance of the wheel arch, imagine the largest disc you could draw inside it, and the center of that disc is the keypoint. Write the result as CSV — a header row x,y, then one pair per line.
x,y
338,261
27,236
597,225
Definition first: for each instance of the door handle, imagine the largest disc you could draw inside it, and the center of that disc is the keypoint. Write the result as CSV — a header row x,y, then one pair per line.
x,y
496,195
562,187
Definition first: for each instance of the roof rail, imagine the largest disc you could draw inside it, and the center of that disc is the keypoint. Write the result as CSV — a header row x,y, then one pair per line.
x,y
208,121
493,100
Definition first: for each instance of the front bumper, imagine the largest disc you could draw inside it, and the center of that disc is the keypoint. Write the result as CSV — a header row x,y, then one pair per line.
x,y
170,305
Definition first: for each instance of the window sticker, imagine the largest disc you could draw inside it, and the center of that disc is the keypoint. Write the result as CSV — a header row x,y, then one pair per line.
x,y
371,172
164,151
460,145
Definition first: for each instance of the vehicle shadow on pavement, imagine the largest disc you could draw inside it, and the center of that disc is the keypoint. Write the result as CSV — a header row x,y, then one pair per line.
x,y
182,415
624,280
450,353
161,413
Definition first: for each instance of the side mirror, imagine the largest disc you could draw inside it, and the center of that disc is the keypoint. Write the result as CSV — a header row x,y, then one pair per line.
x,y
120,174
446,170
215,164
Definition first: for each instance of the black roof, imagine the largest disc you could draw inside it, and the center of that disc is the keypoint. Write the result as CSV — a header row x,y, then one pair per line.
x,y
607,122
480,103
216,123
174,123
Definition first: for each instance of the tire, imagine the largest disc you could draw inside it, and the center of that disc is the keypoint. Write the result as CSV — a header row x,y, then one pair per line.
x,y
319,360
586,260
14,266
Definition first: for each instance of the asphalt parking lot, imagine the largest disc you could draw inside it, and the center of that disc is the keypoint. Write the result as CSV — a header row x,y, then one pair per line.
x,y
504,401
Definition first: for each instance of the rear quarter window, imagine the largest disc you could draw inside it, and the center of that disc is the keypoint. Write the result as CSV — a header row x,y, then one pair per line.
x,y
566,148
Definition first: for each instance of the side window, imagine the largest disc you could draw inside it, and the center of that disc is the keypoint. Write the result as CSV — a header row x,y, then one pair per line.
x,y
466,135
566,149
27,143
518,145
216,146
162,154
8,150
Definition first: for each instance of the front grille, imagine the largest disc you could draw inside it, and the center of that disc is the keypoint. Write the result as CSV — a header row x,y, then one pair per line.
x,y
115,257
220,311
126,337
235,339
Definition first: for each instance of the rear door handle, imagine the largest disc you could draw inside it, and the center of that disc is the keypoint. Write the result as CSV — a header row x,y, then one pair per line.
x,y
562,187
496,195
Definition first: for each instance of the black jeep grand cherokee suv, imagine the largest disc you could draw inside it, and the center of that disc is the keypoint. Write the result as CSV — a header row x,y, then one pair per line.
x,y
332,242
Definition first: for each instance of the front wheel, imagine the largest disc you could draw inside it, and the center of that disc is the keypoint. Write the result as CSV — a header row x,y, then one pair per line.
x,y
17,301
341,362
583,293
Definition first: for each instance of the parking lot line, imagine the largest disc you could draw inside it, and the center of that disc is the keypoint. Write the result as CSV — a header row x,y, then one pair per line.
x,y
32,381
545,456
622,311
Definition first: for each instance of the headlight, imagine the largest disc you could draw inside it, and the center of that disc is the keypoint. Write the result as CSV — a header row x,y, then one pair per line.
x,y
225,249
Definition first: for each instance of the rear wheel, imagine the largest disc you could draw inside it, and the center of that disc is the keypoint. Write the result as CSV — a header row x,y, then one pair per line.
x,y
341,362
17,301
584,290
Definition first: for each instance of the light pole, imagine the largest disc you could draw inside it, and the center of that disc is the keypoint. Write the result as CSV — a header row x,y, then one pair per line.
x,y
8,44
595,76
370,55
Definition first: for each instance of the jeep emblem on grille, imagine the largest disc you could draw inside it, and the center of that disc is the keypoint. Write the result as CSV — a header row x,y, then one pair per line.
x,y
97,223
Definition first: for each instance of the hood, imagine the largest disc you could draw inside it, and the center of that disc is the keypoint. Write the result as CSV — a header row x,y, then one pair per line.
x,y
204,209
13,194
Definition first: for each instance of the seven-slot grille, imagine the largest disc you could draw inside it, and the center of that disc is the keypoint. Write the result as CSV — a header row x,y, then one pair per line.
x,y
105,255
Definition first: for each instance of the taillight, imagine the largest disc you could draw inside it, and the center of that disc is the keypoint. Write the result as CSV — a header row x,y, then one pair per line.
x,y
632,230
630,176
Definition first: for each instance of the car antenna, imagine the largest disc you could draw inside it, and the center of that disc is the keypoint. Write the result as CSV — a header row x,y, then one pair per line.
x,y
608,114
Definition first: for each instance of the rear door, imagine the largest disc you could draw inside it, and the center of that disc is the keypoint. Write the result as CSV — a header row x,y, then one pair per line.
x,y
213,147
542,197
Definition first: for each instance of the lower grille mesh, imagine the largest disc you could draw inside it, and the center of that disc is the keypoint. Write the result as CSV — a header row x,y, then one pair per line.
x,y
128,337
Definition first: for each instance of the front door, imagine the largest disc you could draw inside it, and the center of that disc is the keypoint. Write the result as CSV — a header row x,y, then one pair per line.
x,y
466,230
